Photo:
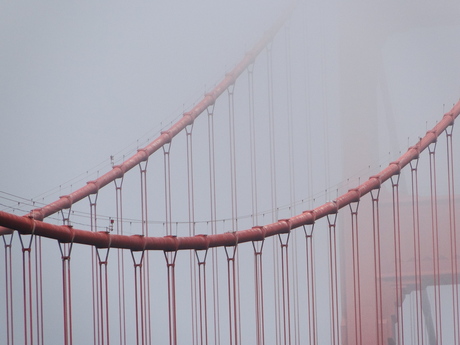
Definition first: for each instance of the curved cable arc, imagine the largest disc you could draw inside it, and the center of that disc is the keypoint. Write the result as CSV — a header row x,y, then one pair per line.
x,y
27,224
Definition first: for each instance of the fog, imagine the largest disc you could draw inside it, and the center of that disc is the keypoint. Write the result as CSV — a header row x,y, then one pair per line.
x,y
84,85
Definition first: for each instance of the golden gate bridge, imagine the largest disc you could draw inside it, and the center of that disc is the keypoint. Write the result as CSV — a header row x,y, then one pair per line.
x,y
210,234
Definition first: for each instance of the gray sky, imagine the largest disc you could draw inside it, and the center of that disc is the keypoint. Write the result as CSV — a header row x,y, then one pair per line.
x,y
85,80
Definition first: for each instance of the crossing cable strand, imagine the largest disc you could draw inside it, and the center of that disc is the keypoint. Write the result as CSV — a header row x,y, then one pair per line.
x,y
435,244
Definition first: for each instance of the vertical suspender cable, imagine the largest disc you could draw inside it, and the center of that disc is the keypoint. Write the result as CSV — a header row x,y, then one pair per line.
x,y
27,287
212,193
139,297
272,146
94,272
271,124
167,174
356,271
453,235
121,263
39,290
285,288
417,261
325,110
202,297
259,292
231,127
292,183
307,106
170,266
252,136
66,249
290,122
191,232
232,286
231,101
102,257
377,265
7,241
145,266
435,242
332,219
397,260
310,277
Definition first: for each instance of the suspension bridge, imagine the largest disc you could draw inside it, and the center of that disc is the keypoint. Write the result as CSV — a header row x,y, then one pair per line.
x,y
229,228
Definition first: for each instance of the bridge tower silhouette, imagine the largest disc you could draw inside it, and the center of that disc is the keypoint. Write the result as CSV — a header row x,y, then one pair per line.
x,y
218,230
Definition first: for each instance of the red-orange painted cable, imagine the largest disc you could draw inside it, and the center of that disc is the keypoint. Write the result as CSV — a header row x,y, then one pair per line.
x,y
356,272
435,244
416,245
397,256
453,236
377,265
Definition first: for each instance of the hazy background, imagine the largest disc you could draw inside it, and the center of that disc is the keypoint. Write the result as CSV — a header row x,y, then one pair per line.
x,y
80,82
83,81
